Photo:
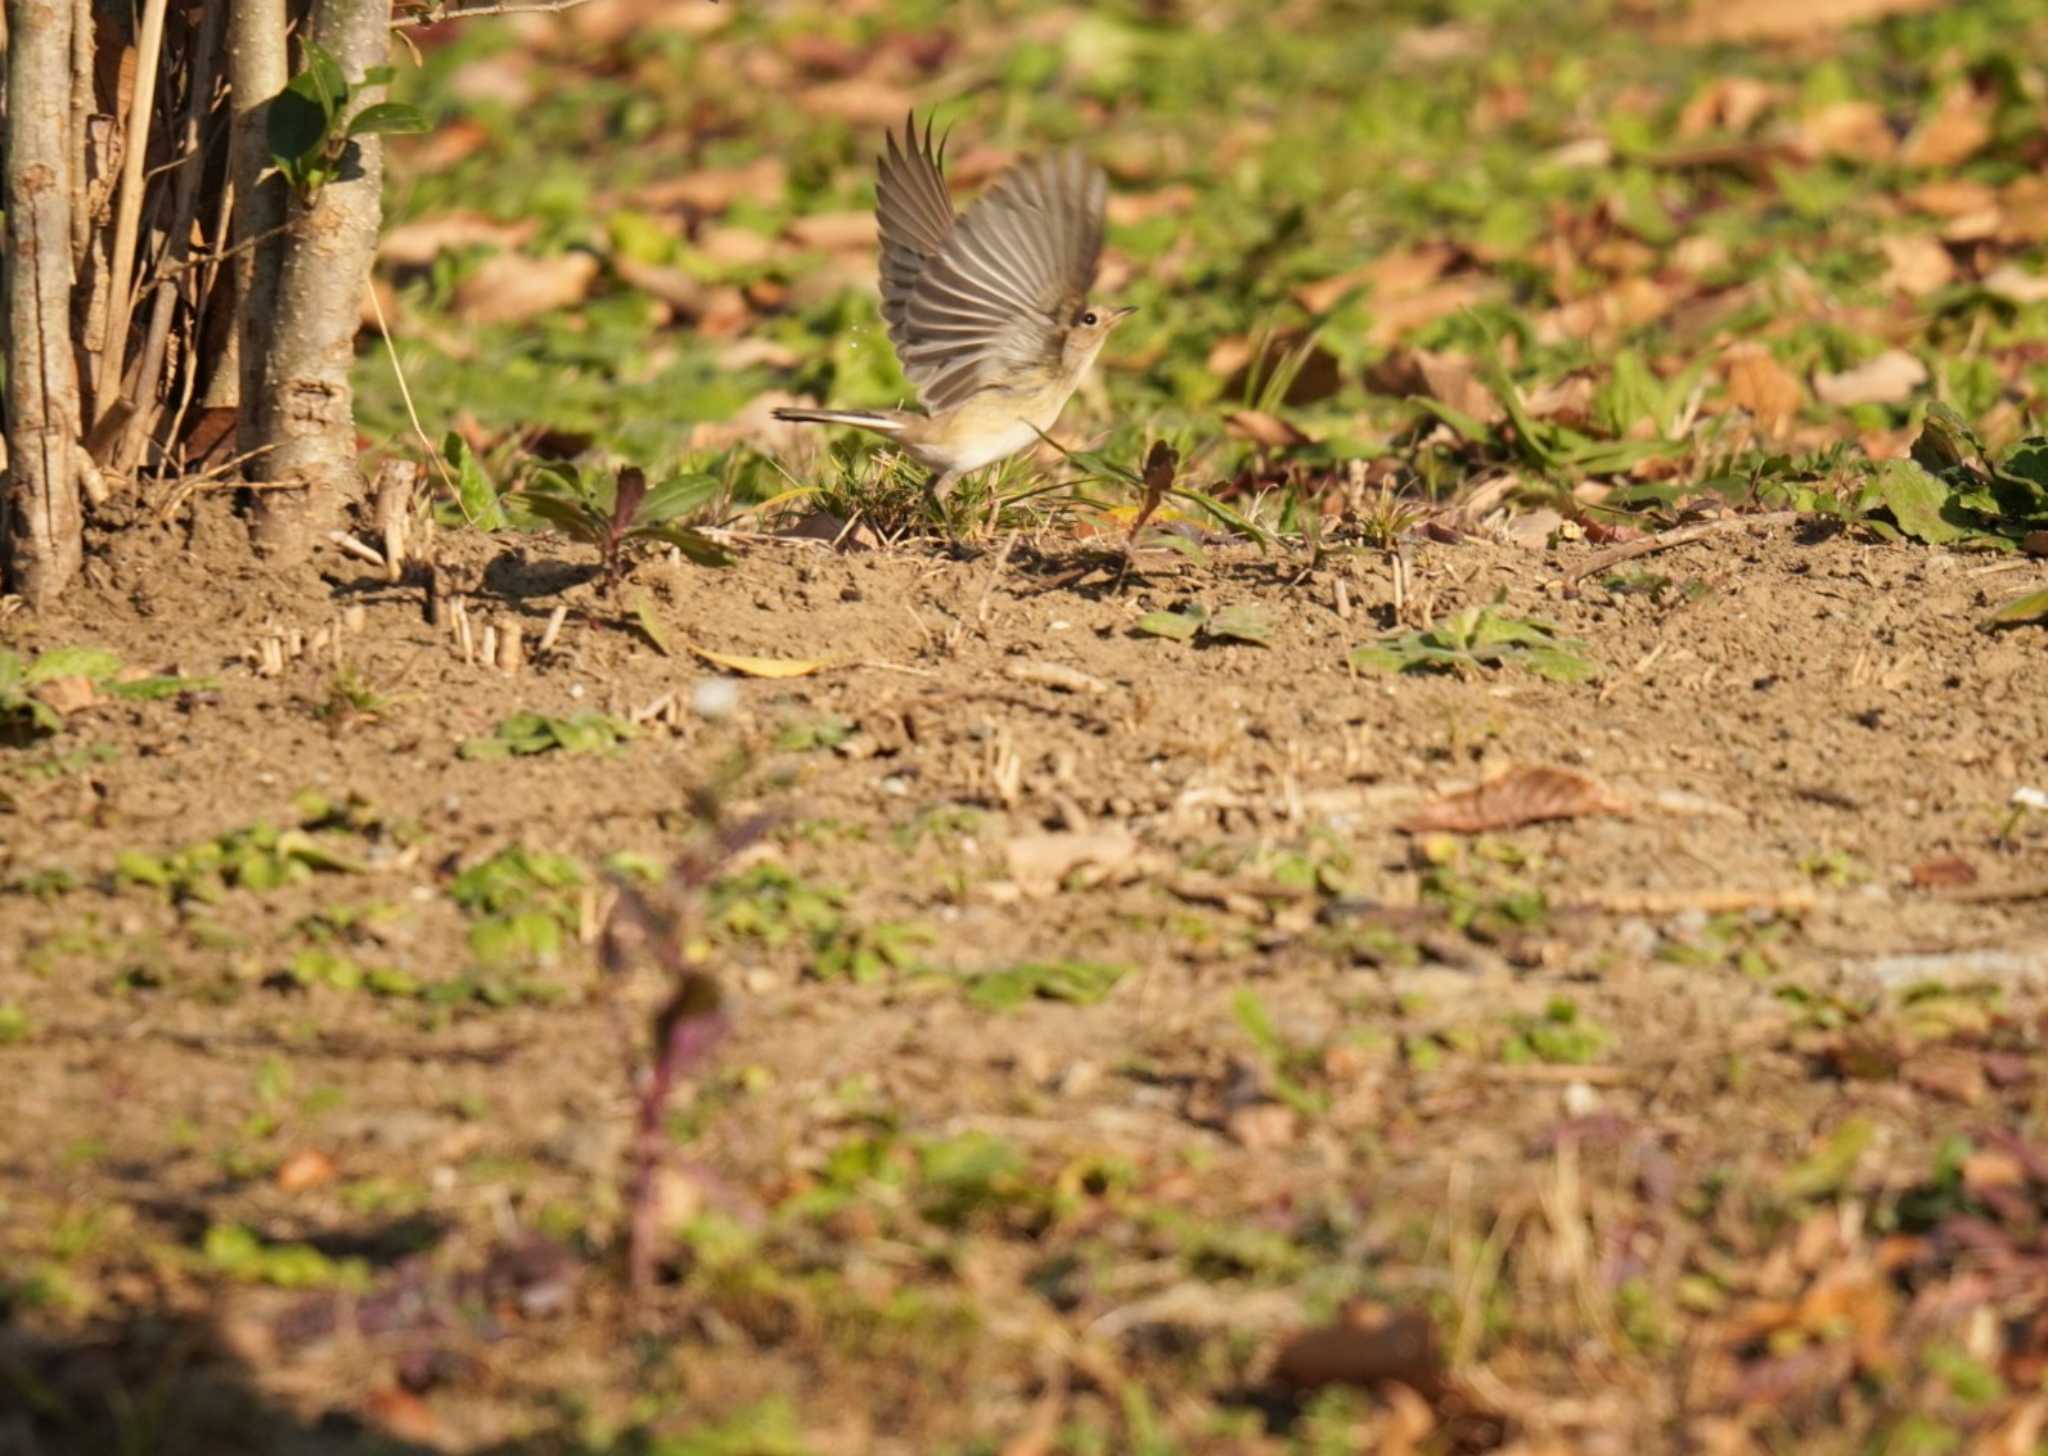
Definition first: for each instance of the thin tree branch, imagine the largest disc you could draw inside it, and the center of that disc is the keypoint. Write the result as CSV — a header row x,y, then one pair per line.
x,y
435,13
149,47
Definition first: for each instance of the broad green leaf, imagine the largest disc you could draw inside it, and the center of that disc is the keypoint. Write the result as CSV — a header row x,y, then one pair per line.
x,y
1915,498
1240,624
695,546
643,613
388,118
1178,626
675,497
94,663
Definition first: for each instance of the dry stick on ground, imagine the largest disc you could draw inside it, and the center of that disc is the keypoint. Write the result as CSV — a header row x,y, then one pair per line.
x,y
40,521
1680,537
304,404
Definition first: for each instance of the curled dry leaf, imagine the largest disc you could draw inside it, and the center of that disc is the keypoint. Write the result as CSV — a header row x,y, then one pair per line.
x,y
1890,378
1391,275
1038,862
715,189
1365,1347
1760,384
1947,871
1263,429
1853,129
1127,209
1957,131
66,695
513,287
1747,20
1916,264
1522,795
858,99
2015,284
1726,104
1446,378
835,232
416,244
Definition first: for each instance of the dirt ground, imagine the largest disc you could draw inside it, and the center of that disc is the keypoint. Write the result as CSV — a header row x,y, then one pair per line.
x,y
1639,1109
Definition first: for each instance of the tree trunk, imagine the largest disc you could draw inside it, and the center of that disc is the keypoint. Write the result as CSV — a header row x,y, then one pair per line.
x,y
302,409
40,522
258,66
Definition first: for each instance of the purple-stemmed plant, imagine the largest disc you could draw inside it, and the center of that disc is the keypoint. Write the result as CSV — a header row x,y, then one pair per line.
x,y
689,1025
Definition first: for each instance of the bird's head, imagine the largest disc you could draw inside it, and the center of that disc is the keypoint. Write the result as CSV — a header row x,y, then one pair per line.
x,y
1086,332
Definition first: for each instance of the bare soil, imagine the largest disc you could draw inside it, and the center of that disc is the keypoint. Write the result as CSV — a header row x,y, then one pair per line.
x,y
1796,722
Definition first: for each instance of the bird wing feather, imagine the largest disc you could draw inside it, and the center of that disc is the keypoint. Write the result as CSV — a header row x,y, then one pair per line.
x,y
915,214
996,295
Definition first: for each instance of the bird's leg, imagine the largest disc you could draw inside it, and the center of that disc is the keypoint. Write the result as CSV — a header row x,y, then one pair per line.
x,y
935,487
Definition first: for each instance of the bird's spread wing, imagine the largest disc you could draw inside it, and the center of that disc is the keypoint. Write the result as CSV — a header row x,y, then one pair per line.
x,y
915,213
996,295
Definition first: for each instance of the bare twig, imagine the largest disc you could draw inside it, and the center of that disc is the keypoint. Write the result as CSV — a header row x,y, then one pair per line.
x,y
1681,537
437,11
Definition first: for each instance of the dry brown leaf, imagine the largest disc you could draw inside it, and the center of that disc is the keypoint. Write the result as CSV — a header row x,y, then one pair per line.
x,y
2023,211
1392,275
512,287
2015,284
735,247
835,232
1263,429
1853,129
1521,795
1760,384
66,695
1569,400
1915,264
306,1168
1261,1126
1446,378
716,188
1951,197
402,1414
416,244
725,314
1959,129
1629,304
1728,104
1748,20
1890,378
1126,209
1397,316
1365,1347
858,99
1948,870
1950,1073
672,286
1039,862
1698,254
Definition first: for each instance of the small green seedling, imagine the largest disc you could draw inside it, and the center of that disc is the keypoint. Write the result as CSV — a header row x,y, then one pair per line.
x,y
311,129
1480,637
525,734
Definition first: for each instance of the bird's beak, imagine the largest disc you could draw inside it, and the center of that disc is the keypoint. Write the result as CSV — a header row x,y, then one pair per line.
x,y
1118,315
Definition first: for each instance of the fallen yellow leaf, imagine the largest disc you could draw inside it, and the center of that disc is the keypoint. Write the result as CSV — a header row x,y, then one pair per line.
x,y
764,666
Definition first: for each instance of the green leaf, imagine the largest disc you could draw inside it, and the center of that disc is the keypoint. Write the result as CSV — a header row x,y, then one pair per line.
x,y
1178,626
696,547
1225,514
643,614
1915,498
2032,607
676,497
571,517
93,663
388,118
473,489
1240,624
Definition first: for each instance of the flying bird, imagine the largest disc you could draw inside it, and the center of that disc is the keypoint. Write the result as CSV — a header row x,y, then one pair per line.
x,y
988,309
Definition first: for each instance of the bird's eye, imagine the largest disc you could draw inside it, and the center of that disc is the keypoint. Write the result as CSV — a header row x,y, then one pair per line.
x,y
1089,320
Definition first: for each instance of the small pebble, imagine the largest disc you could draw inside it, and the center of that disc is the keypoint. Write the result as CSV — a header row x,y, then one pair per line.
x,y
715,697
1580,1100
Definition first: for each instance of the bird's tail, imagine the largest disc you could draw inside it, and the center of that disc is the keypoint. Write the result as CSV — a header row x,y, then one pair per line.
x,y
882,422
